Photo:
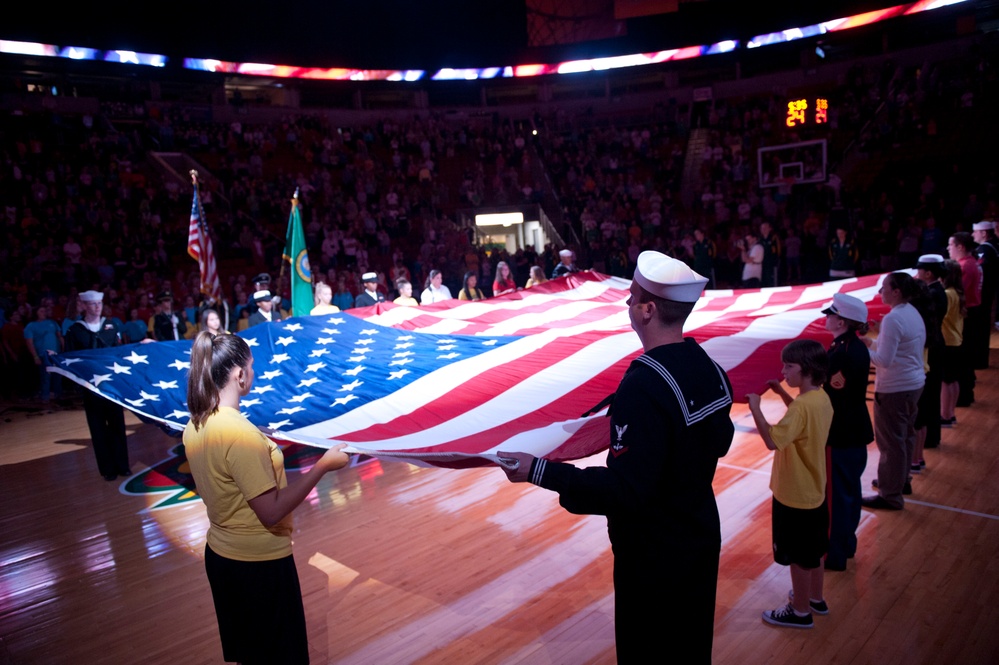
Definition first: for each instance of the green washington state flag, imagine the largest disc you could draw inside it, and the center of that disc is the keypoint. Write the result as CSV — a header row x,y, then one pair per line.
x,y
297,256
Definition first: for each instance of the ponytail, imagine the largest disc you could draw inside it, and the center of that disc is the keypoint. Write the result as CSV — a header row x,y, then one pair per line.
x,y
856,326
213,357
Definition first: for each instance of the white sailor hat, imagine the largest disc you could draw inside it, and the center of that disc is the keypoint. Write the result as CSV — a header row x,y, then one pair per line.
x,y
369,277
983,226
565,252
261,295
930,261
847,307
668,278
92,296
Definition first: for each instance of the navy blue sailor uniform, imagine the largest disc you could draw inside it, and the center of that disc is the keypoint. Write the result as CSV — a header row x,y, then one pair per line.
x,y
105,418
258,317
849,435
928,409
987,254
670,424
365,299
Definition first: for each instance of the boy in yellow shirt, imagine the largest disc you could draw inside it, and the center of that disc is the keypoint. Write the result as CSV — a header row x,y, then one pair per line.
x,y
800,518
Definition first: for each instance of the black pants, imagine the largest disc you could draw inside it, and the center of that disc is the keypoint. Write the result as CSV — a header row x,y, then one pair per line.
x,y
259,609
969,345
928,415
106,421
977,330
662,601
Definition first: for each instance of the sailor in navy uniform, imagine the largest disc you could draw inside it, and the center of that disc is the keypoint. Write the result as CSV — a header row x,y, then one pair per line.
x,y
669,425
105,419
370,295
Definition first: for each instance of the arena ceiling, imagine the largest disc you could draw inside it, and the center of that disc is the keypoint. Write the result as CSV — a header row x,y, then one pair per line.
x,y
412,33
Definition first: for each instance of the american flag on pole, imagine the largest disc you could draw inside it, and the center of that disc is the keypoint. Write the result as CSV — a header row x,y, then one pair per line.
x,y
199,246
450,384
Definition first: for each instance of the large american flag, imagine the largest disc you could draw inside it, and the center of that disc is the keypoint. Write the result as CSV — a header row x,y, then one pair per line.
x,y
452,383
199,246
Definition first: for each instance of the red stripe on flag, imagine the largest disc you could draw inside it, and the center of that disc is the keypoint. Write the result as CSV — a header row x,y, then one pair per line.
x,y
487,385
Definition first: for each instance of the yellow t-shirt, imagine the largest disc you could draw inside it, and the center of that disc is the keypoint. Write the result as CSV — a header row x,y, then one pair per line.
x,y
323,309
798,478
952,325
232,461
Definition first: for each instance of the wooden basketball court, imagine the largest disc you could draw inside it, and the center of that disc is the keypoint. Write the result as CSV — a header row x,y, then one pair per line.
x,y
401,564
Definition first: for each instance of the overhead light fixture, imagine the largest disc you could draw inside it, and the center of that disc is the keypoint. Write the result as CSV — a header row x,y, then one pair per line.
x,y
499,219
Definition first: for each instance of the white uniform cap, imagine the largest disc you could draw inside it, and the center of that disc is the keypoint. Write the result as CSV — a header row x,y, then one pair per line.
x,y
369,277
92,296
668,278
261,295
983,226
847,307
565,252
926,259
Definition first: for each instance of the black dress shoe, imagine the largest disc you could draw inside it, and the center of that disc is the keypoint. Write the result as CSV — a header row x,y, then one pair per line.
x,y
110,476
877,503
124,473
906,488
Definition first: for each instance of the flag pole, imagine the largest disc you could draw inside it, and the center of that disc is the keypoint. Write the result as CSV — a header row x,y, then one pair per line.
x,y
285,259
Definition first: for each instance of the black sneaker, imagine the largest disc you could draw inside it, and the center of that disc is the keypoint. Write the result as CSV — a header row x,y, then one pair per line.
x,y
785,616
817,606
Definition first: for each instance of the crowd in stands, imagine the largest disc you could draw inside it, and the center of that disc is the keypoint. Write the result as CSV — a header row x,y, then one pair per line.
x,y
84,208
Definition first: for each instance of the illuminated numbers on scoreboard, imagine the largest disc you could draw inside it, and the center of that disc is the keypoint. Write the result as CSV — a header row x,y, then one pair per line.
x,y
821,111
797,112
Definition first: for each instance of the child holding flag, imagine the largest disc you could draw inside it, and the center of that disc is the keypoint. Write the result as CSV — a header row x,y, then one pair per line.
x,y
798,480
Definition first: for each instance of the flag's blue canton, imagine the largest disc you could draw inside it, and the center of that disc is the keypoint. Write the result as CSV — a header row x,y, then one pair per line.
x,y
307,369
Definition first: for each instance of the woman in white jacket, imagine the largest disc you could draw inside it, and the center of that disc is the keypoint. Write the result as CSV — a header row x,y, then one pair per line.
x,y
897,356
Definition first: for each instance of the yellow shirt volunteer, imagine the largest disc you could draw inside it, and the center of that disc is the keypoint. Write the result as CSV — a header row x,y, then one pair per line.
x,y
232,461
798,478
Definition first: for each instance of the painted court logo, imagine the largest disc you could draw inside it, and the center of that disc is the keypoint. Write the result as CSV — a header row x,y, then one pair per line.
x,y
170,480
